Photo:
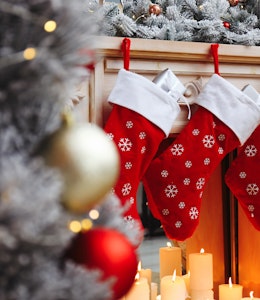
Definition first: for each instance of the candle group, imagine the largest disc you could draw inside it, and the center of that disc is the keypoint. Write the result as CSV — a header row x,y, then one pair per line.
x,y
196,285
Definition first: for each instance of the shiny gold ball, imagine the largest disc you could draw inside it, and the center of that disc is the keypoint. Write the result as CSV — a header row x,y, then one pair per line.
x,y
88,161
155,9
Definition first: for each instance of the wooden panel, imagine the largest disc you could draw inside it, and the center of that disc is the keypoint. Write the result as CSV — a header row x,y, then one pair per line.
x,y
248,255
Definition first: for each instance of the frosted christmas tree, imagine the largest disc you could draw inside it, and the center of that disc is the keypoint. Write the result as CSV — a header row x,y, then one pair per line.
x,y
221,21
45,47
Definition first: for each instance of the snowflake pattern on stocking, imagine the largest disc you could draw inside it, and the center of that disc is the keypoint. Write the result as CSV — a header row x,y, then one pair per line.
x,y
251,209
171,191
208,141
194,213
250,150
126,189
200,183
242,174
125,144
177,150
164,173
129,124
178,224
128,165
252,189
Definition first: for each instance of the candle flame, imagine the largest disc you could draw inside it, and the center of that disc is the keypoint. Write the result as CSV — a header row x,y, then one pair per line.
x,y
202,250
174,275
137,276
169,244
251,294
139,267
230,282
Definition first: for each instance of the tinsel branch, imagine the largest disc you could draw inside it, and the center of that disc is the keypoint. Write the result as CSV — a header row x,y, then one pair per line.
x,y
34,89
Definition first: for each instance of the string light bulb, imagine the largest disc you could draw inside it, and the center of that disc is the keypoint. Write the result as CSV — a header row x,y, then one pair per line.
x,y
86,224
50,26
29,53
94,214
75,226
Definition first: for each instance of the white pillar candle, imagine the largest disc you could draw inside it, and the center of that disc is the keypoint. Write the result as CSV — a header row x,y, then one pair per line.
x,y
230,291
202,295
146,273
139,290
186,278
154,290
173,288
170,260
251,297
201,271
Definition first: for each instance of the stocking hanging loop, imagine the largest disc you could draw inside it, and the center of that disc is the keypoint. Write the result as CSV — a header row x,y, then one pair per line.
x,y
125,47
214,51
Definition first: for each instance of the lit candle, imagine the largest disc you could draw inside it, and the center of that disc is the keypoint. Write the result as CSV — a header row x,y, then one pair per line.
x,y
251,297
145,273
170,260
173,287
201,271
230,291
186,278
139,290
154,290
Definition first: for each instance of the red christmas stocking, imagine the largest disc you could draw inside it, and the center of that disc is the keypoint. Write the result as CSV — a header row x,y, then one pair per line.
x,y
175,180
142,116
243,178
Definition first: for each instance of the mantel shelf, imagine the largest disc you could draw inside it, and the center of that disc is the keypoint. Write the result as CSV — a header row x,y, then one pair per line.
x,y
178,50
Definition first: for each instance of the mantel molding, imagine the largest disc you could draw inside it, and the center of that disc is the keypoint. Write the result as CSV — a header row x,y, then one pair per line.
x,y
178,50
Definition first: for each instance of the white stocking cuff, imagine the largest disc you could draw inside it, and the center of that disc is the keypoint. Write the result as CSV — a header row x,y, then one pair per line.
x,y
141,95
238,111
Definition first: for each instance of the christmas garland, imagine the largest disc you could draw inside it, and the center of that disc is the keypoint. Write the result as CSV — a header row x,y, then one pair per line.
x,y
222,21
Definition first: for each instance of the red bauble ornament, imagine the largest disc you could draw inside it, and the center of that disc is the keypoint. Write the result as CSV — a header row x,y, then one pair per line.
x,y
226,24
107,250
233,2
155,9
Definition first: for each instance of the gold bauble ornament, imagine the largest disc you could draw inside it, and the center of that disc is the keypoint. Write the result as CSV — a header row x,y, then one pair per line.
x,y
89,162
